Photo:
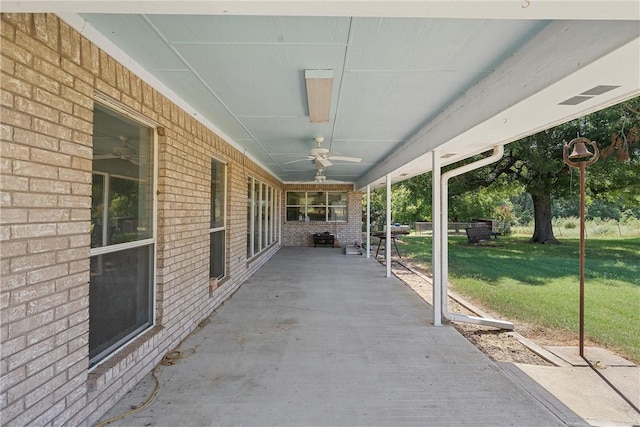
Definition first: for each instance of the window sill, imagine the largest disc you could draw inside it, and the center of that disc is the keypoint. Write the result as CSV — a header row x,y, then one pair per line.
x,y
215,283
113,367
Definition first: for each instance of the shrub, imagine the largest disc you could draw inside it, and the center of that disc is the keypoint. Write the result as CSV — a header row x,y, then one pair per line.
x,y
505,217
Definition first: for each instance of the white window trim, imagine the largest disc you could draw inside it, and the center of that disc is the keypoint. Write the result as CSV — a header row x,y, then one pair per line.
x,y
266,229
224,217
116,106
325,205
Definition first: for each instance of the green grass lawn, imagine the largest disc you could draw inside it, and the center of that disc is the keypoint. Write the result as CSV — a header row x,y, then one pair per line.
x,y
539,284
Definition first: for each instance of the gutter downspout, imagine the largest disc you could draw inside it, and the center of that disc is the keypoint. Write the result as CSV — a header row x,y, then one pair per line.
x,y
498,152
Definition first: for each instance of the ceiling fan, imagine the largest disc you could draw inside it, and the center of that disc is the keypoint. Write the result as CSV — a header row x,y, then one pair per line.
x,y
321,156
122,152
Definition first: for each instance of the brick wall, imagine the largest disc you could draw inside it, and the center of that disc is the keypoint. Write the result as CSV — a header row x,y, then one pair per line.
x,y
50,77
298,233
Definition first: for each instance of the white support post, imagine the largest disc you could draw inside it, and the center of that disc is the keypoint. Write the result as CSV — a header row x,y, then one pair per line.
x,y
436,245
387,246
368,221
498,151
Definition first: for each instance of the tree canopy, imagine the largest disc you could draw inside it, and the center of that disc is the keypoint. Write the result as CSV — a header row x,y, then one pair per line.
x,y
533,165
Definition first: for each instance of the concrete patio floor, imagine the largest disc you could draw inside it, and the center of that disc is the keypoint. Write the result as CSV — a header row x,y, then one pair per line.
x,y
319,338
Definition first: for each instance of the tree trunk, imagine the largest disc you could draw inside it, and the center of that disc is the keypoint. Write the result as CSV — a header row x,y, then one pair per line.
x,y
543,230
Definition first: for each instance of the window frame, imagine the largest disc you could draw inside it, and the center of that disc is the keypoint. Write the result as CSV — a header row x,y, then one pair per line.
x,y
104,102
223,228
308,204
263,220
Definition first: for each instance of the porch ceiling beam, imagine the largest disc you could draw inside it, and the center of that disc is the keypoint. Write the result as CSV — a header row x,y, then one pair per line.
x,y
521,81
472,9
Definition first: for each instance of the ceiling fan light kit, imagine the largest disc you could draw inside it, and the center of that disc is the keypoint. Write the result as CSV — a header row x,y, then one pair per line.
x,y
319,177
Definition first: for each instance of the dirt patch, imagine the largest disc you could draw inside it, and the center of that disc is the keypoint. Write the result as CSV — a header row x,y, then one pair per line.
x,y
499,345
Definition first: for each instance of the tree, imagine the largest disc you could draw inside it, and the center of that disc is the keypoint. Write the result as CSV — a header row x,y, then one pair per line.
x,y
615,177
536,163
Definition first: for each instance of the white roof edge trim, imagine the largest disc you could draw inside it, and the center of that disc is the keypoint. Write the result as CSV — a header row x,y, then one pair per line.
x,y
78,23
446,162
471,9
630,47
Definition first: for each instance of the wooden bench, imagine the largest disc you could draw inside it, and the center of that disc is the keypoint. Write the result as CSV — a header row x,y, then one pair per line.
x,y
478,234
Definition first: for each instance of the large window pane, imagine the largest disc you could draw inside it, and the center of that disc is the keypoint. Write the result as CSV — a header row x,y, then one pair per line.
x,y
123,169
128,217
97,210
256,217
317,213
264,215
120,300
296,206
337,213
217,247
218,194
249,217
337,199
296,198
295,213
337,206
316,206
121,282
262,218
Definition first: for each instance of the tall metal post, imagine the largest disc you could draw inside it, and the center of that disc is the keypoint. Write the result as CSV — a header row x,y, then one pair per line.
x,y
582,245
580,158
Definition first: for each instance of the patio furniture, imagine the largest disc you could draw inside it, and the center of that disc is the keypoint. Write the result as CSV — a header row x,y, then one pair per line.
x,y
382,237
478,234
323,239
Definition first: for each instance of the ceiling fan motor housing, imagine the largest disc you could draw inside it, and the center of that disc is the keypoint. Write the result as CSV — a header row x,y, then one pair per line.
x,y
319,151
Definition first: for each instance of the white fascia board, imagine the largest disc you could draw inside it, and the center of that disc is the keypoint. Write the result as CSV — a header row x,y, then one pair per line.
x,y
457,9
78,23
538,66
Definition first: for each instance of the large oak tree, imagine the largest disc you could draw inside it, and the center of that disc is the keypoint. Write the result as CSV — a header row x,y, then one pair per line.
x,y
536,163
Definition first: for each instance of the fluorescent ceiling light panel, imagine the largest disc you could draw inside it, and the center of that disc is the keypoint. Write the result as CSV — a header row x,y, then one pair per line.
x,y
319,87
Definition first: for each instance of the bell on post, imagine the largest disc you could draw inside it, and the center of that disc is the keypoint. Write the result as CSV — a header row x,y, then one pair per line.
x,y
580,151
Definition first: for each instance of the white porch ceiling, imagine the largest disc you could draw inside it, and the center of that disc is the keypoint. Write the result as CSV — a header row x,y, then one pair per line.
x,y
410,76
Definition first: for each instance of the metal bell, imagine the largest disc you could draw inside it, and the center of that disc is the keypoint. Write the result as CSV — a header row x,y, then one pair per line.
x,y
580,151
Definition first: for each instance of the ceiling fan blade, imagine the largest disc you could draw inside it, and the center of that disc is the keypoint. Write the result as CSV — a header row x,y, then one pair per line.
x,y
322,162
346,159
299,160
131,159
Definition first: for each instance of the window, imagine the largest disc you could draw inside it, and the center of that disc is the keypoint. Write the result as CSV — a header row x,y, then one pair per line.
x,y
122,233
262,216
217,242
318,206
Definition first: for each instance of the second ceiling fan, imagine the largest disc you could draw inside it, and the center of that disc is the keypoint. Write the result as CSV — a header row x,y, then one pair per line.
x,y
321,156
